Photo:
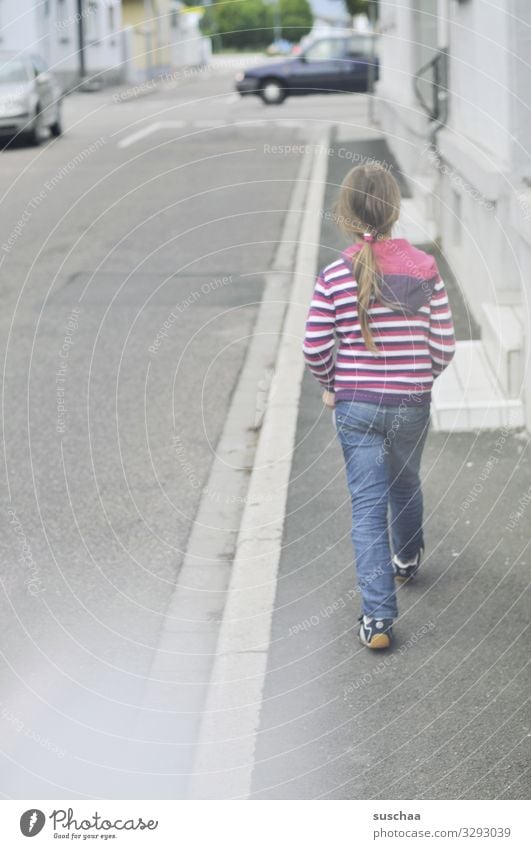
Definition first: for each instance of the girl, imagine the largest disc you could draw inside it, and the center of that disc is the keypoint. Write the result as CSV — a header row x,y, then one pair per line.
x,y
385,304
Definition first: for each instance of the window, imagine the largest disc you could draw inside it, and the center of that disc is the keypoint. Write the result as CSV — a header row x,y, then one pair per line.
x,y
331,48
92,21
360,46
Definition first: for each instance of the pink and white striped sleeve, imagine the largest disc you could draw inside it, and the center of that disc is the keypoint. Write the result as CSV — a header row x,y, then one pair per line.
x,y
319,337
441,336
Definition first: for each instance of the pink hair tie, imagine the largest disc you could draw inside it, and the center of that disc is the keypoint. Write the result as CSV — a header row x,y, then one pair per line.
x,y
368,237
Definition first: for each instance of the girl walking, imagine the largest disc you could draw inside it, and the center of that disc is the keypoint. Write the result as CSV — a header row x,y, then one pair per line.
x,y
385,307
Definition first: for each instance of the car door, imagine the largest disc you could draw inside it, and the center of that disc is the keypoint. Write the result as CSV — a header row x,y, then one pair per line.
x,y
319,68
359,55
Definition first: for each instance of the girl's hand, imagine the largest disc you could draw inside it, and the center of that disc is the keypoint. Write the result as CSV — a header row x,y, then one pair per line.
x,y
329,399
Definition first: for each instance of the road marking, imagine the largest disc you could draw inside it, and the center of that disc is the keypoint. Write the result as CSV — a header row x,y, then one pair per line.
x,y
208,124
225,754
148,131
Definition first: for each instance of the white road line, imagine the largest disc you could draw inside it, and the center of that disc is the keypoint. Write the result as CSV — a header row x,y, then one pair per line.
x,y
225,755
208,124
205,124
149,130
140,134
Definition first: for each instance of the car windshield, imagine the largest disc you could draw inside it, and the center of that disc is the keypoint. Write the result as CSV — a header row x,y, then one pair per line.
x,y
13,71
331,48
359,45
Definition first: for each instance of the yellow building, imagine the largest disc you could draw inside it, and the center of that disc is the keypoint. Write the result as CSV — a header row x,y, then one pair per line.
x,y
149,26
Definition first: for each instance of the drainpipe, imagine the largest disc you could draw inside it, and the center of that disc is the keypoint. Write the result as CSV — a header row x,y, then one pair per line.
x,y
441,68
373,18
81,41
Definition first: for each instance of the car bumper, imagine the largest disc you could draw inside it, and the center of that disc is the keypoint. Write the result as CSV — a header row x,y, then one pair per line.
x,y
248,86
14,124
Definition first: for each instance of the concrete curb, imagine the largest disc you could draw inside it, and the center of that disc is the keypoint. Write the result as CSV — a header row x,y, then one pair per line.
x,y
224,761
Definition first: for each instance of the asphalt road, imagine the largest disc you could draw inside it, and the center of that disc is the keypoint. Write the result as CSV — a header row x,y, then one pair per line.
x,y
131,272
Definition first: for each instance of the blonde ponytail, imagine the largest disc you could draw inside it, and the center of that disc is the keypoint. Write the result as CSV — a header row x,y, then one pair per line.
x,y
365,270
367,207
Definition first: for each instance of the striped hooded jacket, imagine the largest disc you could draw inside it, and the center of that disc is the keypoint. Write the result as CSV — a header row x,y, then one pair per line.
x,y
412,328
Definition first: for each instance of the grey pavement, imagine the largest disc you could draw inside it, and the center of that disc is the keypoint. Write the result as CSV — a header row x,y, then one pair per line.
x,y
445,713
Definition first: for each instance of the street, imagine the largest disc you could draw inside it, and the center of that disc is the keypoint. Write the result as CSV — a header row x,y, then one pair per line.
x,y
111,413
140,253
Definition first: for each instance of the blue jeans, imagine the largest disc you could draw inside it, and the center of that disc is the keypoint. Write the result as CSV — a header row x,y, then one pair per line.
x,y
382,447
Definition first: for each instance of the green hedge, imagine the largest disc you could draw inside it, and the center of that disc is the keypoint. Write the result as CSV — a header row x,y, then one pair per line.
x,y
250,23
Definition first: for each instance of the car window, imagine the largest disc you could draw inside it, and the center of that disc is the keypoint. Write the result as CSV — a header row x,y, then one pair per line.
x,y
360,46
330,48
13,71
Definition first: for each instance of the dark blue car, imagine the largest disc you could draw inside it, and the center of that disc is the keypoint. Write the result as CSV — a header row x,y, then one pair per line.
x,y
334,64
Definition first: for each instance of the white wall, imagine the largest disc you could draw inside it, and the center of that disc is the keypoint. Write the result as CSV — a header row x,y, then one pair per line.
x,y
481,203
18,26
520,200
189,48
102,23
479,74
403,50
477,146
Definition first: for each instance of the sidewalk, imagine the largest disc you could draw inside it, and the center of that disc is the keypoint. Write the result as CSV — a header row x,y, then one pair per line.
x,y
443,715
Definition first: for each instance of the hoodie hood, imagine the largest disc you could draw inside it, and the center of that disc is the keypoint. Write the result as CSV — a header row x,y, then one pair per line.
x,y
408,274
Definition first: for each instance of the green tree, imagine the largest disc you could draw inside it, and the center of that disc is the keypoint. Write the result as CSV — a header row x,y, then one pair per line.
x,y
296,18
245,23
357,7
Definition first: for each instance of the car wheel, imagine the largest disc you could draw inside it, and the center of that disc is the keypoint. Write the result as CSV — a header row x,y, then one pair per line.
x,y
272,92
56,128
35,134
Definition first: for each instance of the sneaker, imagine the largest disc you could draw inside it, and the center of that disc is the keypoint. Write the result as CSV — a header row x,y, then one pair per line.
x,y
406,571
376,633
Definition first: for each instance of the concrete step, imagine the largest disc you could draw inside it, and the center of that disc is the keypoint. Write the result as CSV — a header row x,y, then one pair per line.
x,y
468,396
503,339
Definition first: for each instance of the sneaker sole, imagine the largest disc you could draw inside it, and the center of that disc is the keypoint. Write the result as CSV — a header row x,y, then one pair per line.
x,y
379,641
402,580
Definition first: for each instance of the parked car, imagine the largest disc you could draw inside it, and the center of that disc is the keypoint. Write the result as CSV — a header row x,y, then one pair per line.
x,y
333,64
30,97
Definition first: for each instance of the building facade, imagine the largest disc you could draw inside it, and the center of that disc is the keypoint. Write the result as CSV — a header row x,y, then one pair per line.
x,y
468,162
51,29
124,40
